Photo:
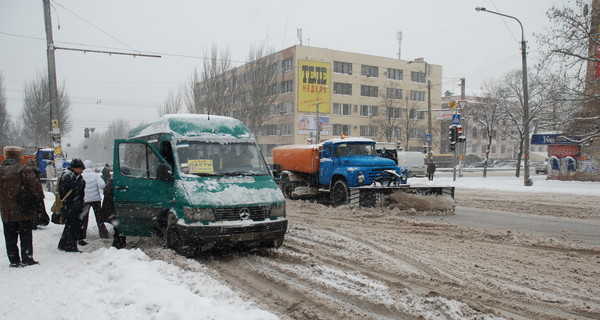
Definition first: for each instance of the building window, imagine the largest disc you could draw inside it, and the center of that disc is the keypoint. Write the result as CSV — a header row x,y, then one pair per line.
x,y
279,129
368,111
368,91
287,65
395,113
368,131
369,71
483,149
416,133
395,74
342,67
341,109
503,149
416,114
339,129
342,88
287,86
494,149
416,76
394,93
474,133
417,95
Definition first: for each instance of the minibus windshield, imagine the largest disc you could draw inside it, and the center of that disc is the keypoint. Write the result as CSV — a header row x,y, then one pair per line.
x,y
220,159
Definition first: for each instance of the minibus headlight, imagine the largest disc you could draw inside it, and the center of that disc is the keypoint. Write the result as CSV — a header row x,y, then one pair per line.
x,y
198,214
277,210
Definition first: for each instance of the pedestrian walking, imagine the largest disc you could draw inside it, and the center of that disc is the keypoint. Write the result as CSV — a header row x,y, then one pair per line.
x,y
72,190
430,169
106,173
92,199
50,176
19,189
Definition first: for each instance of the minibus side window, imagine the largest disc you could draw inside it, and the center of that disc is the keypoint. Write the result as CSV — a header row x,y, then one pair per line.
x,y
138,160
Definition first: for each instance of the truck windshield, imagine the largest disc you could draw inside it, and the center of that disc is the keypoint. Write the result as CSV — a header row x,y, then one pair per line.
x,y
354,149
216,159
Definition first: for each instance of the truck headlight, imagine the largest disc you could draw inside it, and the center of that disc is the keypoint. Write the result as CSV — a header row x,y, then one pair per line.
x,y
277,210
361,177
198,214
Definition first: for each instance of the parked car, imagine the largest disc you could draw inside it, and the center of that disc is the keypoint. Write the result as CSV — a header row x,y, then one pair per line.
x,y
541,168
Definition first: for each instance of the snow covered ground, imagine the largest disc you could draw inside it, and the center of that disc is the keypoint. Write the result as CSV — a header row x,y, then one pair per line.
x,y
105,283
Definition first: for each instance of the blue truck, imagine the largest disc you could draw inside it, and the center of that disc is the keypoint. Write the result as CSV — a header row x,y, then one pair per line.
x,y
346,170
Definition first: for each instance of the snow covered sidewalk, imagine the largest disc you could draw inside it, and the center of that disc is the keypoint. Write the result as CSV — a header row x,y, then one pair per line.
x,y
106,283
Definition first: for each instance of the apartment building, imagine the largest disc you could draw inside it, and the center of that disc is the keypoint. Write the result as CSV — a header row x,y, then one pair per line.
x,y
351,94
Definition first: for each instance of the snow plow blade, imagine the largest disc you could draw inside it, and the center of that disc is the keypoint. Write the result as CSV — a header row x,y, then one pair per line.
x,y
405,197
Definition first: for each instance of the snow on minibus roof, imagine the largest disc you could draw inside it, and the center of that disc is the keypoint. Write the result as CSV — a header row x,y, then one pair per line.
x,y
196,126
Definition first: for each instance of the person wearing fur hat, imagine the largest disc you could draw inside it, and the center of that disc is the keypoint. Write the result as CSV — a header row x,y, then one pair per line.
x,y
92,199
17,221
72,183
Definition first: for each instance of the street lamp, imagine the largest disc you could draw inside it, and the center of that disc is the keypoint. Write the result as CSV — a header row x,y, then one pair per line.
x,y
527,181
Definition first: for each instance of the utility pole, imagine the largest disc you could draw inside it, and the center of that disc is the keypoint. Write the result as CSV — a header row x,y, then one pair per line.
x,y
429,144
53,94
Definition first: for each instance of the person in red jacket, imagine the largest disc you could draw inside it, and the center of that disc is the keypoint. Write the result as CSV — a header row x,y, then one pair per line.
x,y
17,220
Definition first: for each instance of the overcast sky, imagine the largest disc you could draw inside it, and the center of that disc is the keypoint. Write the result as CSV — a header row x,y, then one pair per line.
x,y
475,45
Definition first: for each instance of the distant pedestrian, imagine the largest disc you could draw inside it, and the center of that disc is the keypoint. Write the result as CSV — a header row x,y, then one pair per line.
x,y
72,190
430,170
106,173
15,180
50,176
92,199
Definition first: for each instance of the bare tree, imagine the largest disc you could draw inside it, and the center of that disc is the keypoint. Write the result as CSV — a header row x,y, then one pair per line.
x,y
4,117
191,94
37,125
172,104
260,87
490,113
214,83
570,44
389,122
540,102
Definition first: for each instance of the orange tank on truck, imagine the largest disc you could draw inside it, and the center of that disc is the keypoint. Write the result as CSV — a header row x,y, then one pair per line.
x,y
299,158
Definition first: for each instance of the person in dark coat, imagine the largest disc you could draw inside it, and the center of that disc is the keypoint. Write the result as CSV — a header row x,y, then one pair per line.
x,y
17,223
106,173
108,212
430,170
71,179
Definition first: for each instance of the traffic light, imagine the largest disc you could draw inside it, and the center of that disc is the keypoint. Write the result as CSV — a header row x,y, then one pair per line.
x,y
459,134
452,135
86,132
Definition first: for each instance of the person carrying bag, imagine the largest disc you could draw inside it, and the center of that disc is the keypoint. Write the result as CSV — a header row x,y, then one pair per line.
x,y
58,204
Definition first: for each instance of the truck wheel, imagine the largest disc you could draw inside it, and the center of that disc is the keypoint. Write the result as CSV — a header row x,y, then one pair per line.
x,y
287,188
174,240
340,193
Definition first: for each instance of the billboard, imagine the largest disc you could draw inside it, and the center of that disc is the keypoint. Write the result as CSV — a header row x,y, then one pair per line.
x,y
314,84
308,124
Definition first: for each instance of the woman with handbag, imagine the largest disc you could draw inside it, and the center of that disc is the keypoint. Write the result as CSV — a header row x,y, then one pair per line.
x,y
19,189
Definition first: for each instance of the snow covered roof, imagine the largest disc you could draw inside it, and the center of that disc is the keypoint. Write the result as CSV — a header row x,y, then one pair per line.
x,y
199,126
350,139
